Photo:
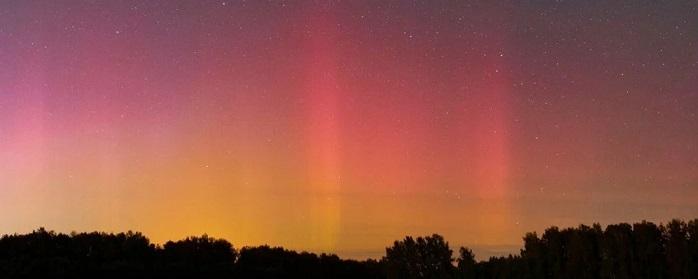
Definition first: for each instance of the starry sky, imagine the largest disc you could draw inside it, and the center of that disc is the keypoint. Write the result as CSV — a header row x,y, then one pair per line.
x,y
340,126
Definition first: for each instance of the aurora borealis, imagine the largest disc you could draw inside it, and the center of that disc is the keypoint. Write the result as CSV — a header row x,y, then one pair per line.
x,y
341,126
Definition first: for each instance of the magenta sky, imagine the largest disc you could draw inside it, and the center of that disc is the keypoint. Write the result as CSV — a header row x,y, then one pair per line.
x,y
343,126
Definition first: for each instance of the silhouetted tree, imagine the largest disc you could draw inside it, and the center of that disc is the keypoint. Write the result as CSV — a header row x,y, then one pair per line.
x,y
692,229
554,255
617,255
276,262
425,257
644,250
48,254
334,267
677,253
582,257
649,251
466,263
510,267
533,255
199,255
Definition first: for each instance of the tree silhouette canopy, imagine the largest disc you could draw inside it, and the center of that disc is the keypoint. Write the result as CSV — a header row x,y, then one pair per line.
x,y
641,250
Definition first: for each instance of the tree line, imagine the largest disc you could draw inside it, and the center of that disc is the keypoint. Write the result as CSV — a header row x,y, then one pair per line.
x,y
640,250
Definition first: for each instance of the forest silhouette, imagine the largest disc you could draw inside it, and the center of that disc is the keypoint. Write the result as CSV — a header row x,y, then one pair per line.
x,y
640,250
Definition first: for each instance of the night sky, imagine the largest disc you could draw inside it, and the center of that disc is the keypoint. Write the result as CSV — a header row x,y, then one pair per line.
x,y
341,126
